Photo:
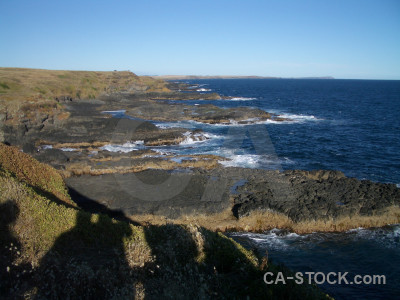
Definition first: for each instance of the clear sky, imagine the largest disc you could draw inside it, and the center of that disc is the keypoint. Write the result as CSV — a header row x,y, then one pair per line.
x,y
344,39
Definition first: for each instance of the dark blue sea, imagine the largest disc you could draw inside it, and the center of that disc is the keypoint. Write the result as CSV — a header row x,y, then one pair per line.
x,y
347,125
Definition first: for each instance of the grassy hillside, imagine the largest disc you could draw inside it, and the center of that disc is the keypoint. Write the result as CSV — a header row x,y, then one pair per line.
x,y
34,94
51,249
36,84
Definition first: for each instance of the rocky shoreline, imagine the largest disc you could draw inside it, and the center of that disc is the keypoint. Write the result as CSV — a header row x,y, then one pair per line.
x,y
51,248
153,188
244,199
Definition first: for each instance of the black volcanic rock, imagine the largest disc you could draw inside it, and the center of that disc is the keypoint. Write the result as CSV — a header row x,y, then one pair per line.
x,y
300,195
315,195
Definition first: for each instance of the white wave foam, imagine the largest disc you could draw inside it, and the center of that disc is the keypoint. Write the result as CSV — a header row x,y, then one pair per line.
x,y
212,136
355,230
125,148
396,231
181,124
231,123
250,161
271,240
121,111
389,237
193,138
300,118
293,235
190,124
285,241
291,119
203,90
68,149
276,122
162,152
247,122
242,99
288,161
247,160
162,126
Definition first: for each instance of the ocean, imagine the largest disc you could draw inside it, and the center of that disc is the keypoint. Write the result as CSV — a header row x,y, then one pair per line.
x,y
347,125
358,252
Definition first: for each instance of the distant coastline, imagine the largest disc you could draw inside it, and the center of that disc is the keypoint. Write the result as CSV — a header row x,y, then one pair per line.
x,y
183,77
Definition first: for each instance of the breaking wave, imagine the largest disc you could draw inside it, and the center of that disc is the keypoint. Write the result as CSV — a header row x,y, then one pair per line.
x,y
242,99
125,148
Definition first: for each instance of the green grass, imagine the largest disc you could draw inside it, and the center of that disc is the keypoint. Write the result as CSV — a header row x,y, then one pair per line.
x,y
63,76
37,175
4,85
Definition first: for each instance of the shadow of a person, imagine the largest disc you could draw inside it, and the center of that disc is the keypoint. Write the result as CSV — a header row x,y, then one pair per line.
x,y
175,251
87,262
192,262
9,246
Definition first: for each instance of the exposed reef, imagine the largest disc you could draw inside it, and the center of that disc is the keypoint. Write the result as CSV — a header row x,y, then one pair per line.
x,y
238,199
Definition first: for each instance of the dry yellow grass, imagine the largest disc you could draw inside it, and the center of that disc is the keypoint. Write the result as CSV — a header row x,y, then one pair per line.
x,y
78,169
260,221
87,145
390,216
37,84
32,93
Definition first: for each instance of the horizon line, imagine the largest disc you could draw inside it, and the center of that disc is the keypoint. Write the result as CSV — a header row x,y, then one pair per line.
x,y
327,77
258,77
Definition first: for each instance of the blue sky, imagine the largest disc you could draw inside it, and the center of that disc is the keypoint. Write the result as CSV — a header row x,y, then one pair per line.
x,y
344,39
